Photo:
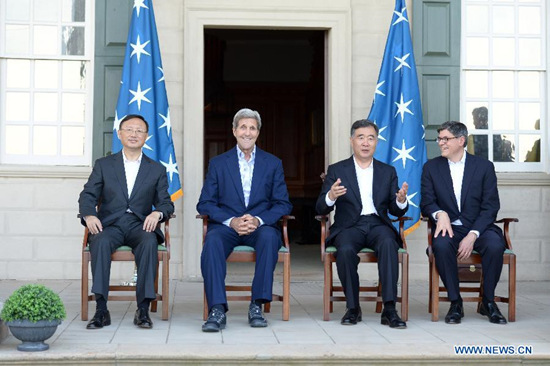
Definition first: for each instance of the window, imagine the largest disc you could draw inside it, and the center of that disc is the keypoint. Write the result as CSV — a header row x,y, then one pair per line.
x,y
503,81
45,82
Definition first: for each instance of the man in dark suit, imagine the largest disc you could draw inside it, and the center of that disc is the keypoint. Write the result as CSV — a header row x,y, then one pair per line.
x,y
364,190
460,195
131,192
244,196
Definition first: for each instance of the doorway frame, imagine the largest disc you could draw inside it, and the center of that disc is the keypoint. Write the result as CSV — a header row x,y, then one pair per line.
x,y
334,19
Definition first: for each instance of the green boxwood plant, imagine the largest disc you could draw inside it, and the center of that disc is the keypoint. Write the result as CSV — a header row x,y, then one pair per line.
x,y
34,303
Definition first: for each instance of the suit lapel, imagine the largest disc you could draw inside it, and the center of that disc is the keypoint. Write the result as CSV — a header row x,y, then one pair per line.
x,y
143,171
469,170
235,173
351,177
445,174
376,175
118,167
258,174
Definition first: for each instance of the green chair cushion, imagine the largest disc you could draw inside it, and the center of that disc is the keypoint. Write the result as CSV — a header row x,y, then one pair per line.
x,y
507,251
332,249
124,248
245,248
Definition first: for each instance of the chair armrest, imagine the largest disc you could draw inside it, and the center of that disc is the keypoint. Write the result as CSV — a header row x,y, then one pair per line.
x,y
401,221
325,231
429,227
284,224
506,221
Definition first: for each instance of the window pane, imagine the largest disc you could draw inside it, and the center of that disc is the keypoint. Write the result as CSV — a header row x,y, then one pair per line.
x,y
45,40
17,140
73,41
529,20
477,51
45,107
529,116
503,148
73,108
503,116
45,75
529,52
529,148
46,10
503,20
476,112
477,19
529,84
74,75
74,10
503,84
477,83
72,141
18,73
478,145
504,52
17,10
17,39
17,106
44,141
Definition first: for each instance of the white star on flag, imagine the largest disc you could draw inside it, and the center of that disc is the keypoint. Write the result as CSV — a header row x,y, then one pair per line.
x,y
402,108
167,122
147,146
403,154
171,167
139,49
402,62
116,122
378,91
410,197
162,72
400,16
138,4
380,133
139,95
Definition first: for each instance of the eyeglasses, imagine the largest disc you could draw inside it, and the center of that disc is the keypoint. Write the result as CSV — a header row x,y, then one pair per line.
x,y
444,139
131,131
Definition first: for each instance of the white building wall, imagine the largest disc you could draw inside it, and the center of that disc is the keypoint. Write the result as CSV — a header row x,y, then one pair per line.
x,y
40,236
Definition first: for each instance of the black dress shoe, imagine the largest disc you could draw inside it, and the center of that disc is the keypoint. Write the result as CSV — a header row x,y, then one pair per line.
x,y
101,319
255,317
216,321
391,318
455,314
491,310
351,317
142,319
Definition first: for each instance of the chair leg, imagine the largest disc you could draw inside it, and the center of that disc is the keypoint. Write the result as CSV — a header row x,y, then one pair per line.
x,y
405,287
204,306
165,286
84,287
154,303
327,288
379,295
430,264
512,288
286,287
267,307
435,292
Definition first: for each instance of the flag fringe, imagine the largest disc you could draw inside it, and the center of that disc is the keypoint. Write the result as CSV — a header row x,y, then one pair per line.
x,y
177,195
412,228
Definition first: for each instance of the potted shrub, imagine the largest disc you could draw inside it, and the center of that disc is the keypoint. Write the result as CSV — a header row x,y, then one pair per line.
x,y
33,313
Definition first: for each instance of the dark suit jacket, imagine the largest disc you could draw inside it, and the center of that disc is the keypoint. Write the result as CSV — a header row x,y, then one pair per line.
x,y
479,196
107,185
222,195
348,206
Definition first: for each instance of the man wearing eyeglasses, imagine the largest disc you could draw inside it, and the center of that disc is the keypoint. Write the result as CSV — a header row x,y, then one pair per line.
x,y
460,196
125,198
364,190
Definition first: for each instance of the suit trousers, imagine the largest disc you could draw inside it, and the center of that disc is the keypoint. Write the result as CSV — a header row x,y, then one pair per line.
x,y
127,230
490,245
369,232
218,245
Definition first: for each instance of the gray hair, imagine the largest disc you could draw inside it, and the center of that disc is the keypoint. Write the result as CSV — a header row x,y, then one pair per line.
x,y
247,113
457,129
363,123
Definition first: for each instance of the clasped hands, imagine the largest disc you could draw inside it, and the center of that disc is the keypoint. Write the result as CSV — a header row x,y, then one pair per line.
x,y
94,224
443,227
337,190
245,224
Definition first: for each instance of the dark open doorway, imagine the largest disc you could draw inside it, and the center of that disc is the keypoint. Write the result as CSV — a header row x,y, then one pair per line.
x,y
279,73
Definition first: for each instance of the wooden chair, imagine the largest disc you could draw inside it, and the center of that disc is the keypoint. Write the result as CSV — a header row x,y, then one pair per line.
x,y
243,253
366,256
470,275
124,254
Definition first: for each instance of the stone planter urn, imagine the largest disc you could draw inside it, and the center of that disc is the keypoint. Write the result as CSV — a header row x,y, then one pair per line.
x,y
32,334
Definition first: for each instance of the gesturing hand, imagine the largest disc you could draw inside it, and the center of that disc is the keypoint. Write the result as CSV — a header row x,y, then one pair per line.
x,y
402,193
336,190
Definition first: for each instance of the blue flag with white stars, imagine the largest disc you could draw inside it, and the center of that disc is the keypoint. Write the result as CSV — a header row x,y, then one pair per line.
x,y
143,92
397,111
